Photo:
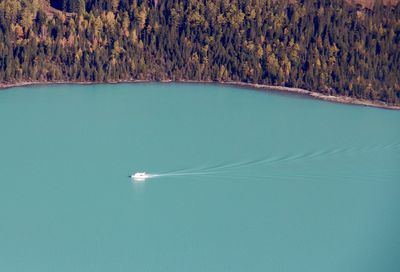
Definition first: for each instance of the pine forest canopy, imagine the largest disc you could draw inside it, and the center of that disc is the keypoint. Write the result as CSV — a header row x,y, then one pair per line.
x,y
328,46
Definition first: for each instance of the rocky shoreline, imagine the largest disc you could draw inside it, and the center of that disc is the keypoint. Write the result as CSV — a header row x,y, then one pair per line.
x,y
331,98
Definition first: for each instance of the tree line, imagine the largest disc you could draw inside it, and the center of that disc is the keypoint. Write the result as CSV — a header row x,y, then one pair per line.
x,y
326,46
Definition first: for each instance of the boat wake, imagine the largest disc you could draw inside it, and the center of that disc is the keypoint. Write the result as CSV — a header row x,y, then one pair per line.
x,y
243,169
136,177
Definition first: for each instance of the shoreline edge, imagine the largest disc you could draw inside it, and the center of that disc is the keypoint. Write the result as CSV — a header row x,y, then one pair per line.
x,y
331,98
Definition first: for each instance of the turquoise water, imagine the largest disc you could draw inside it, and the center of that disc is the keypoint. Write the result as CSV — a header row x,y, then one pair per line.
x,y
250,181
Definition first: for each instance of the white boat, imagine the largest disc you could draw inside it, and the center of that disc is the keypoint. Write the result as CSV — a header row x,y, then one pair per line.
x,y
140,176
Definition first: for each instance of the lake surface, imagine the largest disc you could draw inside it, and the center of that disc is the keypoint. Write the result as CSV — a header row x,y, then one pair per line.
x,y
249,181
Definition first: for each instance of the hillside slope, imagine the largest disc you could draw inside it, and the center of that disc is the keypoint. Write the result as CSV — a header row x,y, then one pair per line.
x,y
370,3
328,46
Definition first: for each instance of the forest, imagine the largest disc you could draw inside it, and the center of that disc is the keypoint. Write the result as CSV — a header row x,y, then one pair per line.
x,y
326,46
